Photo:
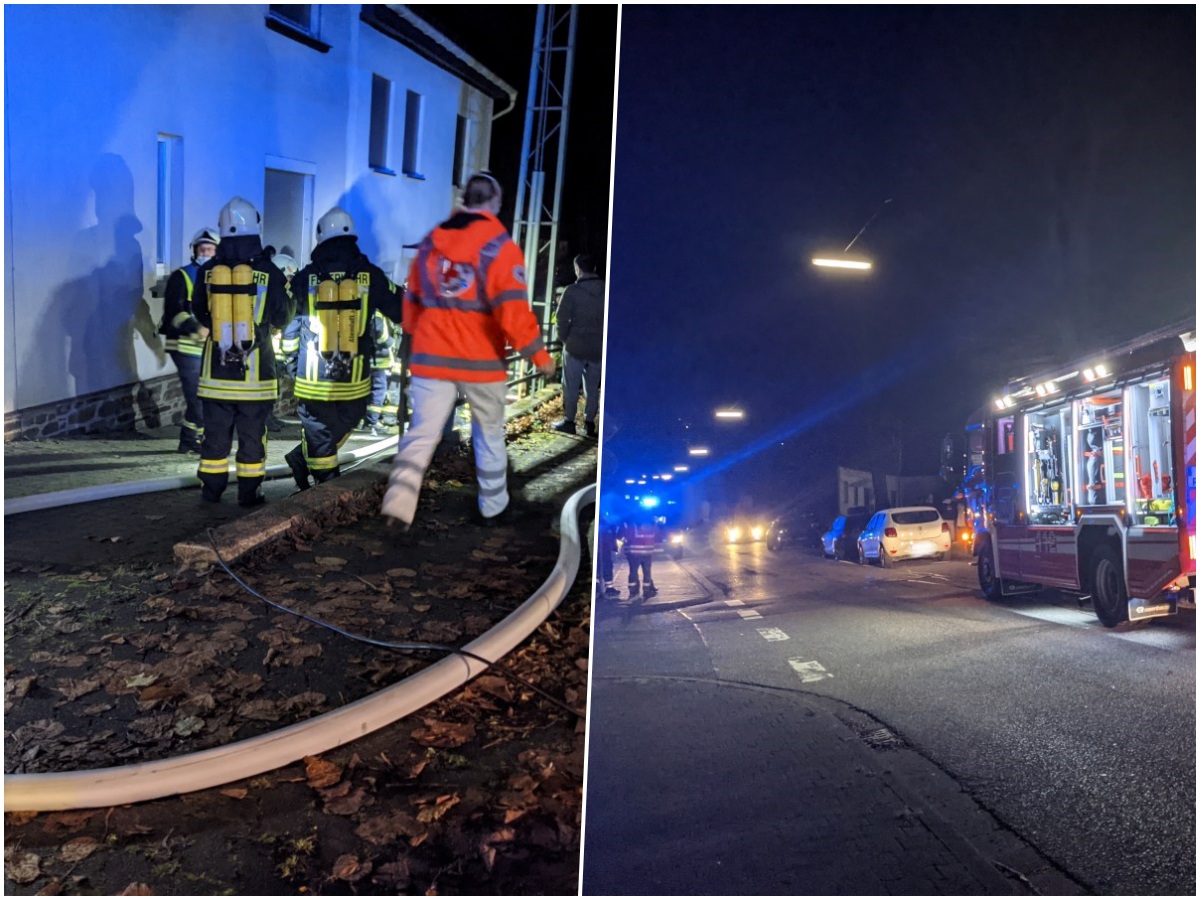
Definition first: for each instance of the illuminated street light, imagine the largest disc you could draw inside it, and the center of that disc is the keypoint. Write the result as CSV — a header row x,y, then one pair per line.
x,y
697,451
730,412
681,468
841,261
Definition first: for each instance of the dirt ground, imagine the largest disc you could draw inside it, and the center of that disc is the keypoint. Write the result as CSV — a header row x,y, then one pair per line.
x,y
132,660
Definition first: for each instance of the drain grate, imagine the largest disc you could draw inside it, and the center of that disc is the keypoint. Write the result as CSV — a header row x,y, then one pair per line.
x,y
882,739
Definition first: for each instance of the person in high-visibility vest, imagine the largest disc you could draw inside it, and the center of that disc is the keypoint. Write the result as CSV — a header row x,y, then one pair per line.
x,y
185,337
381,367
641,535
240,295
466,301
332,342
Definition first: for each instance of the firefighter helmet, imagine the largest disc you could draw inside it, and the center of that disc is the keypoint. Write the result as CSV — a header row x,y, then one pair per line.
x,y
205,236
335,223
285,264
238,218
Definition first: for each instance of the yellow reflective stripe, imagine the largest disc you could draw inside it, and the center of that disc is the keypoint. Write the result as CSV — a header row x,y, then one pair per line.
x,y
322,462
180,318
188,280
224,390
251,470
214,466
308,389
290,345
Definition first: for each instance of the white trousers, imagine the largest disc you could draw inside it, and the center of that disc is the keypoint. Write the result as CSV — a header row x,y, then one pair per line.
x,y
432,404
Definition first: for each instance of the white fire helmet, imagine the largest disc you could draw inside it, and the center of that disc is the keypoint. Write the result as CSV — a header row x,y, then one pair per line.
x,y
335,223
204,236
285,264
238,218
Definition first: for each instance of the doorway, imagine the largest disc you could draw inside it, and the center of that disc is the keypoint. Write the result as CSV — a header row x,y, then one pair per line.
x,y
287,212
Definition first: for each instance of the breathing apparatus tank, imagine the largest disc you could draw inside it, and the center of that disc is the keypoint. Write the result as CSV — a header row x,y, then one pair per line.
x,y
222,307
348,317
327,316
243,308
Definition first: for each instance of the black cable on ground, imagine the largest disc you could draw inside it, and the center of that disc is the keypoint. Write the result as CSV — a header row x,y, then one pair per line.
x,y
400,646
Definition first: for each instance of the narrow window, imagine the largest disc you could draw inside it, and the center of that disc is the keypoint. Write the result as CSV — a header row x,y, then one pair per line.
x,y
169,213
462,136
381,119
412,135
298,14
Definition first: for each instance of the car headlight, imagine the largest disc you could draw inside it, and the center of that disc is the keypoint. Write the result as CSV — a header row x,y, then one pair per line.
x,y
677,539
756,533
733,534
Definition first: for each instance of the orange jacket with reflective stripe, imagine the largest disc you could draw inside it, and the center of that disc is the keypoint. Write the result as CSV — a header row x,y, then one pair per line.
x,y
466,300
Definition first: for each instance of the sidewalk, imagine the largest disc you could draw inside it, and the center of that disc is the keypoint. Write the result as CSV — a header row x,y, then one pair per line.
x,y
700,785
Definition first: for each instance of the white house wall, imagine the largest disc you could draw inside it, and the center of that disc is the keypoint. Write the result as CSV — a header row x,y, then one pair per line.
x,y
89,89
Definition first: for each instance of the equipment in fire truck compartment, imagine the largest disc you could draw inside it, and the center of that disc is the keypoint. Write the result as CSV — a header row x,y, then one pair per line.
x,y
1094,466
1049,500
1150,447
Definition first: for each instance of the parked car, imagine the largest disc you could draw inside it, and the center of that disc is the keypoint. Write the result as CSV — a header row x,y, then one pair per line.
x,y
907,532
841,540
798,530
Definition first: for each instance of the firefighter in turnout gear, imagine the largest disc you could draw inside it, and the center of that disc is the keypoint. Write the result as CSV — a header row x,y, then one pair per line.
x,y
185,337
381,366
331,344
240,296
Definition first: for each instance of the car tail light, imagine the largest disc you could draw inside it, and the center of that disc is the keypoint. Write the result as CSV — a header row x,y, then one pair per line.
x,y
946,527
889,532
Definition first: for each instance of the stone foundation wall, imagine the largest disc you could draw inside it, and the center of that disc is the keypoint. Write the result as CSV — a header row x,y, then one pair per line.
x,y
145,405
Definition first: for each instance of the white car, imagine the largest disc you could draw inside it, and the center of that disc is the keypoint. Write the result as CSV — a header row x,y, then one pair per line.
x,y
907,532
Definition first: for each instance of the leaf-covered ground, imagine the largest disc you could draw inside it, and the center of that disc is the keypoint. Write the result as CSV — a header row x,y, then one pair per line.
x,y
479,793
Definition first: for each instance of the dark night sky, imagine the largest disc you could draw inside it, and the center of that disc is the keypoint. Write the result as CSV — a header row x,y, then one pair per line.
x,y
501,38
1041,167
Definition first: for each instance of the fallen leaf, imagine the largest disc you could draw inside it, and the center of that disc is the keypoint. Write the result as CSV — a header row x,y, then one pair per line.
x,y
137,889
422,607
443,734
321,773
402,573
20,866
440,807
79,848
330,562
348,805
259,710
235,793
189,725
144,679
348,868
22,817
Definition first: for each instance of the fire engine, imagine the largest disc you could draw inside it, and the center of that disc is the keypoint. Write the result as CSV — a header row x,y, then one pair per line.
x,y
1084,479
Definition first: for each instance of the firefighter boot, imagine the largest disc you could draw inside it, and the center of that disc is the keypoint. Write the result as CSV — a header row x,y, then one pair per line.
x,y
651,590
562,426
295,461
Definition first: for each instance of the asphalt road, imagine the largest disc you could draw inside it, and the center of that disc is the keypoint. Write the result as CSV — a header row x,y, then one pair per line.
x,y
1081,739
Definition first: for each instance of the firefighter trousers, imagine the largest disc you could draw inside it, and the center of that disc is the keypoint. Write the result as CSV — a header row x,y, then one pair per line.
x,y
378,400
432,404
191,432
249,419
326,426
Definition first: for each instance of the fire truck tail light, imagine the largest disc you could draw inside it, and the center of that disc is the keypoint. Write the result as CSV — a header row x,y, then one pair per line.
x,y
1187,378
965,537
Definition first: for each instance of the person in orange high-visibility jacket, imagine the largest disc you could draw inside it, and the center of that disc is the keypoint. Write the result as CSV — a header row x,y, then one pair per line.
x,y
466,302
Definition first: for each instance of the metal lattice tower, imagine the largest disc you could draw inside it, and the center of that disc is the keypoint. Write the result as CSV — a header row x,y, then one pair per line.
x,y
539,189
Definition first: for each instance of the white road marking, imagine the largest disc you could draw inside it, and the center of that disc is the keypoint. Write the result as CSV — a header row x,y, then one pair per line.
x,y
810,670
919,581
773,634
749,614
734,602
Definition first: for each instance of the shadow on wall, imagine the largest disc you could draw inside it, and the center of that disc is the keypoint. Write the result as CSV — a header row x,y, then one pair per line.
x,y
100,311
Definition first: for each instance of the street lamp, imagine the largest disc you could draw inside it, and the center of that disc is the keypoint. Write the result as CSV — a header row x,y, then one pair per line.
x,y
730,412
849,262
681,468
697,451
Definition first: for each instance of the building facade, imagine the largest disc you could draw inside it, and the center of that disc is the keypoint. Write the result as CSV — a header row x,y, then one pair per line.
x,y
127,128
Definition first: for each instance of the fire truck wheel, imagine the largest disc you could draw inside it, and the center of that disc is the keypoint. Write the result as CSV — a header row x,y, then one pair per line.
x,y
1109,597
988,582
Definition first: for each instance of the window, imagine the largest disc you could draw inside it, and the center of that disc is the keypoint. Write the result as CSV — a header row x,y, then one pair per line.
x,y
462,137
381,122
412,134
298,21
169,213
